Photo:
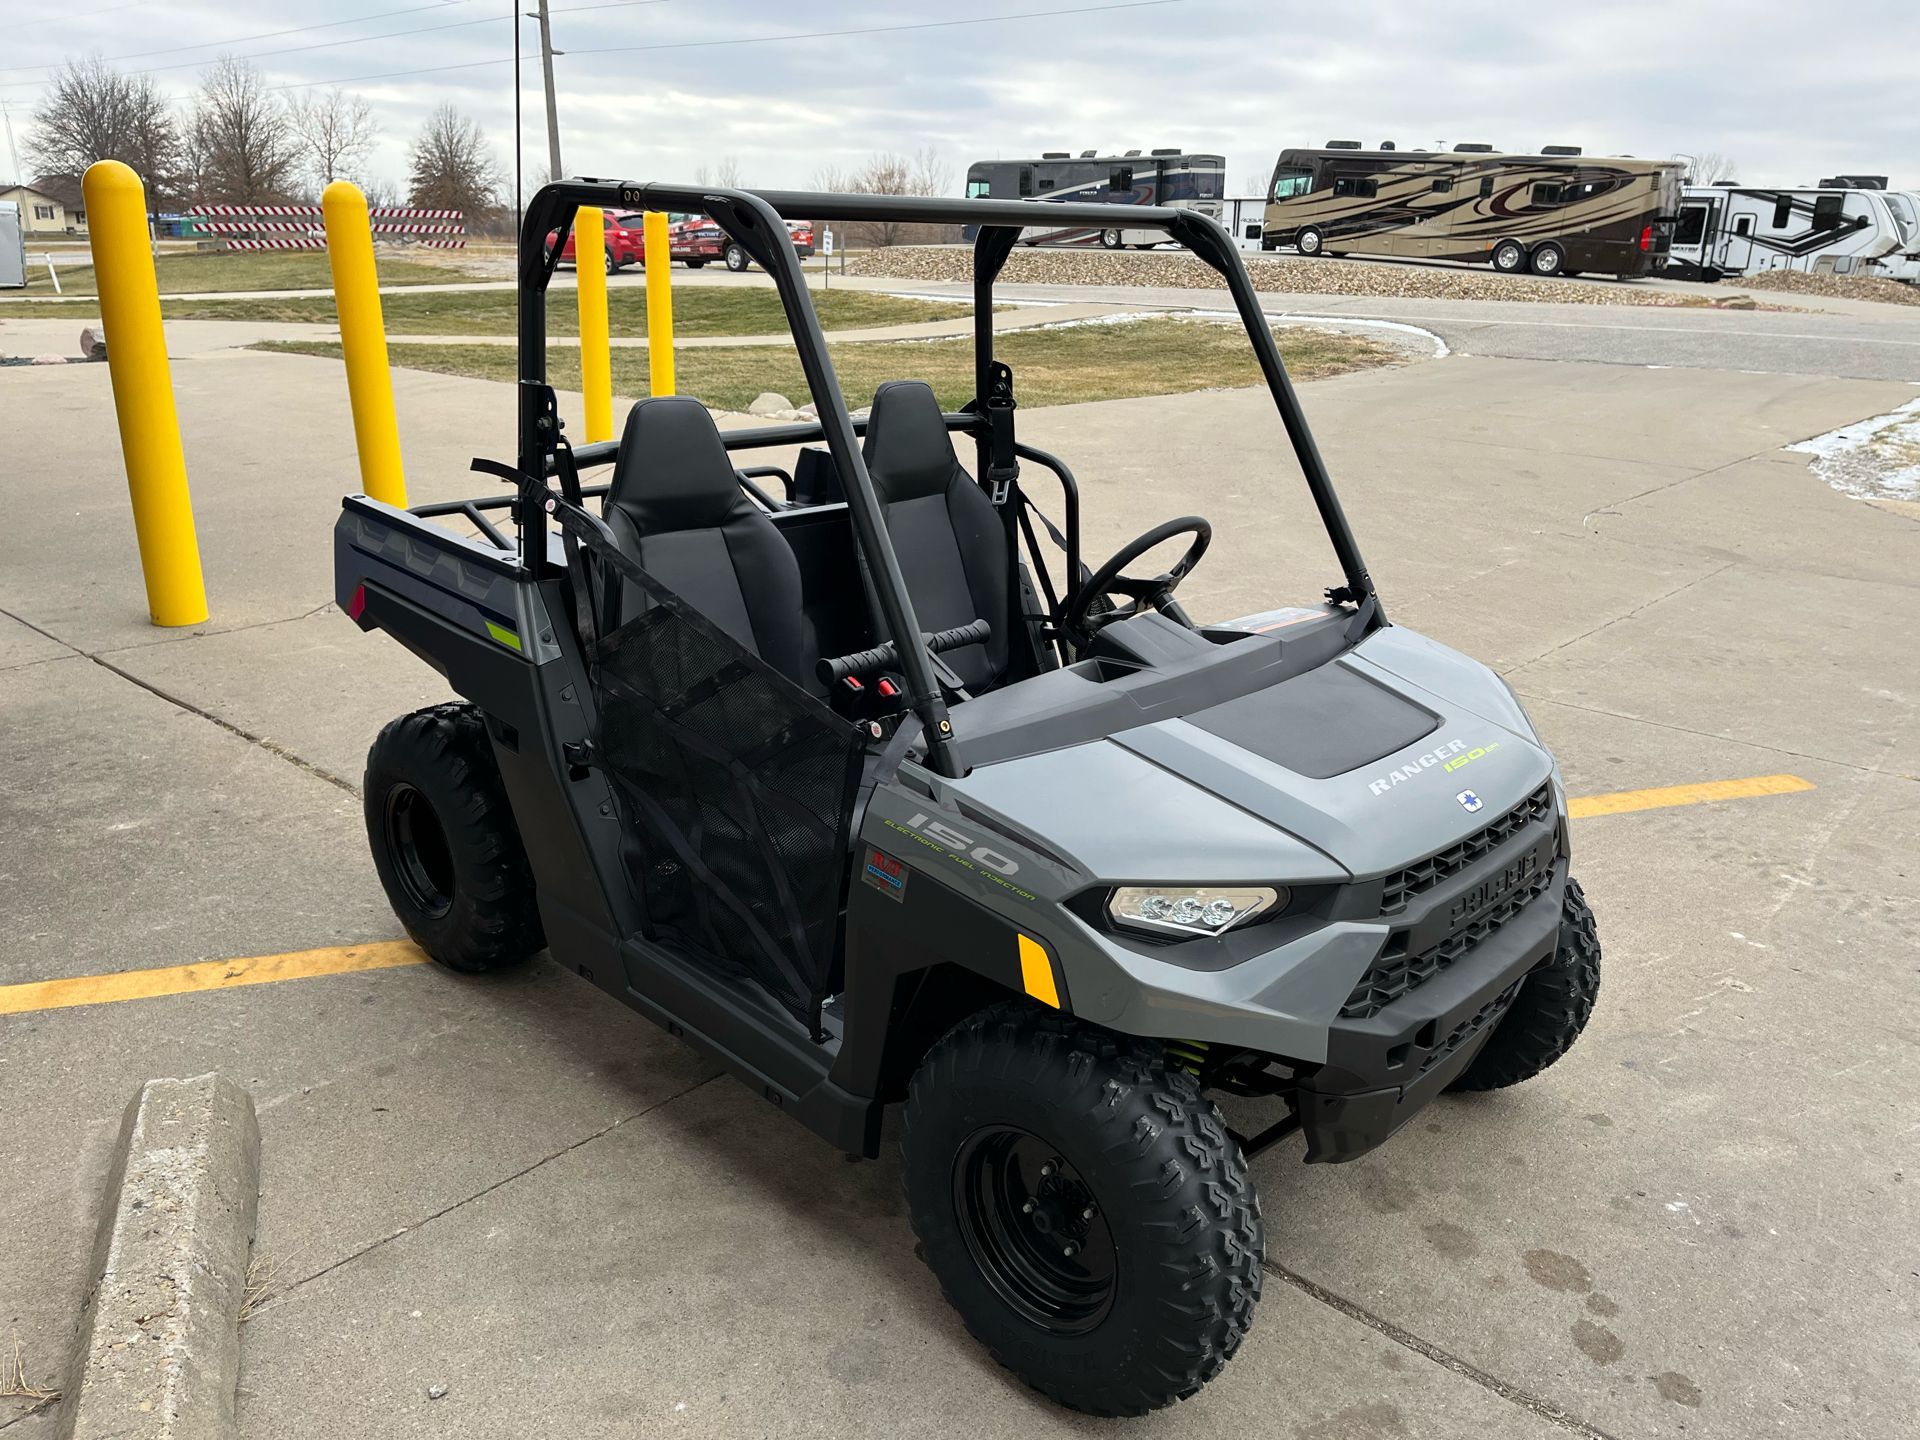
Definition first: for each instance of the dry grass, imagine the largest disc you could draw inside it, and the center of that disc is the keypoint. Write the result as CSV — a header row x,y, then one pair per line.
x,y
262,1284
207,271
704,310
14,1384
1063,366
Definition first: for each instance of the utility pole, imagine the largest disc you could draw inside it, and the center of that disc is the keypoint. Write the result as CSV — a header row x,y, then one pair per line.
x,y
19,176
547,52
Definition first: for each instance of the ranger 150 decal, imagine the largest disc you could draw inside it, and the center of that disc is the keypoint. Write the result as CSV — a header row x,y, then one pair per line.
x,y
964,850
1449,757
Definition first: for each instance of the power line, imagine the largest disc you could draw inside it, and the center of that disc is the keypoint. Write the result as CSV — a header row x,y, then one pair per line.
x,y
747,40
263,35
83,15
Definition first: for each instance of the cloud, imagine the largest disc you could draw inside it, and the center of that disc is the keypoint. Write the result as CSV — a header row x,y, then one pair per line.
x,y
1244,77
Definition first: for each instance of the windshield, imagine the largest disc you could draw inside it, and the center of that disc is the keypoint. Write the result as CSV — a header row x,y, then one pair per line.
x,y
1904,215
1291,180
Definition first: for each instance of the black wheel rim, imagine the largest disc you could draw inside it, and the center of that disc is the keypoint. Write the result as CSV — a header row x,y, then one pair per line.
x,y
1035,1230
418,845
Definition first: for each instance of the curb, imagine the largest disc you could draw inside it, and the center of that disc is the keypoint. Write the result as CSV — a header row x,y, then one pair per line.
x,y
158,1351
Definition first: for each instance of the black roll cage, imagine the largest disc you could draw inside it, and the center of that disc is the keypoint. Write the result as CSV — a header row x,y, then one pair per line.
x,y
753,219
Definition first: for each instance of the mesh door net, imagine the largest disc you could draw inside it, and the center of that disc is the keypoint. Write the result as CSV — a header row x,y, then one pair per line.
x,y
737,790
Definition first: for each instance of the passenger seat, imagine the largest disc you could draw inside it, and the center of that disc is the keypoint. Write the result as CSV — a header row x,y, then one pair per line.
x,y
677,509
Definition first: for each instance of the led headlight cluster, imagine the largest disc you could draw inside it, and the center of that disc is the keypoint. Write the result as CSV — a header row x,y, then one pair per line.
x,y
1190,909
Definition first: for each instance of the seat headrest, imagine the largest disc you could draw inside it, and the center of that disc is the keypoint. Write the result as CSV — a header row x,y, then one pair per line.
x,y
907,450
672,472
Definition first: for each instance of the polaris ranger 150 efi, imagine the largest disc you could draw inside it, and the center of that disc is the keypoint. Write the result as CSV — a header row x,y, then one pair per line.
x,y
821,770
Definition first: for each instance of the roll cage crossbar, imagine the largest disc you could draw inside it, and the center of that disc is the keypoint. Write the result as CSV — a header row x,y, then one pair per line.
x,y
753,219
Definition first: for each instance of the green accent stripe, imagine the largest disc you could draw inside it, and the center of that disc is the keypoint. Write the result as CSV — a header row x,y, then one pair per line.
x,y
505,636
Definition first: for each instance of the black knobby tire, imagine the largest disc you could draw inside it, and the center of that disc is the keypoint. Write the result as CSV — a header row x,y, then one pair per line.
x,y
445,843
1550,1011
1175,1229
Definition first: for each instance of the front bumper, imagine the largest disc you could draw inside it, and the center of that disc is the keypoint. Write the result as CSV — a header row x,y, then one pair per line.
x,y
1383,1067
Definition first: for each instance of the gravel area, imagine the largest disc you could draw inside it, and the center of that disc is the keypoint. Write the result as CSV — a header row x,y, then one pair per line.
x,y
1842,287
1283,274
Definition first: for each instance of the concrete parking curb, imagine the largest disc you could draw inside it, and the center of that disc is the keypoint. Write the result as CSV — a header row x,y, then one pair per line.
x,y
158,1353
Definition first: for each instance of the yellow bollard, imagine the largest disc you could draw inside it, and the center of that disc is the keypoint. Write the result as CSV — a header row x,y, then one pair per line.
x,y
596,356
659,306
363,336
143,394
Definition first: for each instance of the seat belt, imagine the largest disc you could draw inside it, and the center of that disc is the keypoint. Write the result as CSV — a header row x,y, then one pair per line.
x,y
1003,466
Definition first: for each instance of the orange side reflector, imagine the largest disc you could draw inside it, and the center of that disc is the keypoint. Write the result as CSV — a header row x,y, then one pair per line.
x,y
1036,972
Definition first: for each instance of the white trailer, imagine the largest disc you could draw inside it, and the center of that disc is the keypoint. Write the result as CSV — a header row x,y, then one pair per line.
x,y
13,248
1738,230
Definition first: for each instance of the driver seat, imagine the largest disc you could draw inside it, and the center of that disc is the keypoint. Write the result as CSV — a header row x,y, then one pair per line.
x,y
949,538
676,508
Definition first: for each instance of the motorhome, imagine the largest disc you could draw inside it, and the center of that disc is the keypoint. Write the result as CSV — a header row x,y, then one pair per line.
x,y
1743,230
1169,177
1553,213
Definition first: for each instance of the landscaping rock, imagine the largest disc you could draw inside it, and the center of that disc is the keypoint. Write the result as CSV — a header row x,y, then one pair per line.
x,y
767,403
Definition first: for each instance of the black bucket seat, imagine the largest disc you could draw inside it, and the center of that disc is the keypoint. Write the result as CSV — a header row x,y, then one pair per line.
x,y
676,507
948,536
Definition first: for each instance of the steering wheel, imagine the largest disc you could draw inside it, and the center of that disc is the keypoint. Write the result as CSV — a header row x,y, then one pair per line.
x,y
1081,624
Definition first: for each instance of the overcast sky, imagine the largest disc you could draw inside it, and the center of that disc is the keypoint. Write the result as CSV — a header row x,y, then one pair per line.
x,y
1787,97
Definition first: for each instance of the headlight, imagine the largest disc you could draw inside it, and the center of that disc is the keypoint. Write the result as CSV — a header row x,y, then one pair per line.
x,y
1190,909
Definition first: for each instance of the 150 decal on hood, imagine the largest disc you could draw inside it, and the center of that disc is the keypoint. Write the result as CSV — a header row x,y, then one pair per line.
x,y
1450,756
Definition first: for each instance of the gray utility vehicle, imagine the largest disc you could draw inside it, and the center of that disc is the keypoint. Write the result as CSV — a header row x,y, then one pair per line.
x,y
819,769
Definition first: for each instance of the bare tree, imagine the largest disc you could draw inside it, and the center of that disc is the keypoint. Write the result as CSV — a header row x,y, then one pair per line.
x,y
92,112
382,194
335,132
931,173
451,166
1708,167
725,173
923,173
243,137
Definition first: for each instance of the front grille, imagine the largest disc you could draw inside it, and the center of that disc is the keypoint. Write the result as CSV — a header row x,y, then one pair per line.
x,y
1470,1027
1403,885
1396,972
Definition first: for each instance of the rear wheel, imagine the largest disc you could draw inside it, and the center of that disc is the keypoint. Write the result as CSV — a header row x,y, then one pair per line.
x,y
1510,257
1084,1208
1549,259
445,843
1111,240
1550,1011
613,265
1309,242
737,258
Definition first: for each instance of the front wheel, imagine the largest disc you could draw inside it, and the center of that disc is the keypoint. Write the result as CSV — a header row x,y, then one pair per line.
x,y
1550,1011
1310,243
1084,1208
1111,240
737,258
445,842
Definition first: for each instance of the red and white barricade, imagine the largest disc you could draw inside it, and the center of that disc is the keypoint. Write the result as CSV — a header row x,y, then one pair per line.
x,y
302,227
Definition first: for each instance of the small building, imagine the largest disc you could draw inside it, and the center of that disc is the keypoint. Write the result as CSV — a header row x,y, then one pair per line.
x,y
40,213
66,192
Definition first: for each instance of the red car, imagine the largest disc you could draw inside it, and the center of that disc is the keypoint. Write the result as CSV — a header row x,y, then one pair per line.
x,y
625,244
694,240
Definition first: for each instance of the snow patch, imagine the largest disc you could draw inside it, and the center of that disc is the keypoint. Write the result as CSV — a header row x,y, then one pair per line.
x,y
1873,459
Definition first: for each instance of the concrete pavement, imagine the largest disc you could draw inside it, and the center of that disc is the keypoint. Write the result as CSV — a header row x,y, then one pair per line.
x,y
1701,1221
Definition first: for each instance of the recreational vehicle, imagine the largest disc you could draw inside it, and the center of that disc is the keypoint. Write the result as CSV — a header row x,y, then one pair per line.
x,y
1555,213
1741,230
1169,178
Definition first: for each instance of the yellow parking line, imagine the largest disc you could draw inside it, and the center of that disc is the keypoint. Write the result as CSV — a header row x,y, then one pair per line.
x,y
206,975
387,954
1622,802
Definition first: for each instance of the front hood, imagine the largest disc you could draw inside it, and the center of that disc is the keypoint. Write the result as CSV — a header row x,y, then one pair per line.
x,y
1375,760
